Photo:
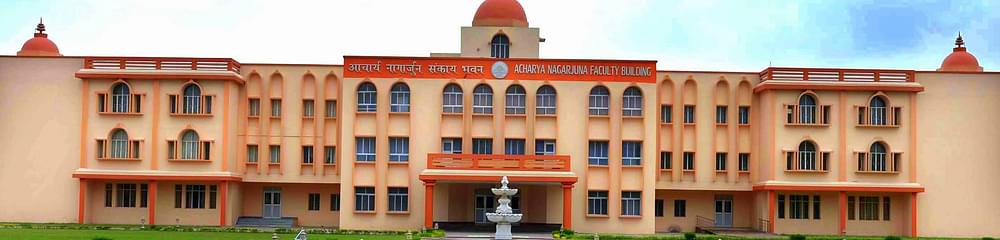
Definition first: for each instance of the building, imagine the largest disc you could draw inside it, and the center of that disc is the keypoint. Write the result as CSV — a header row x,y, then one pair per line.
x,y
403,143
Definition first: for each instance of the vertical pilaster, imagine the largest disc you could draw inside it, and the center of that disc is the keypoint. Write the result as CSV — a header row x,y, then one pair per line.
x,y
151,206
567,205
429,205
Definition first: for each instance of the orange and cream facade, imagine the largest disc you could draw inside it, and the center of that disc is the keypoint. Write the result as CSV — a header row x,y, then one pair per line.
x,y
404,143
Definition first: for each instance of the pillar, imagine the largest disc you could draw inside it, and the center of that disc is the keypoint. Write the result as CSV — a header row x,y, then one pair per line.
x,y
770,211
223,195
913,214
842,199
151,206
429,205
567,205
82,201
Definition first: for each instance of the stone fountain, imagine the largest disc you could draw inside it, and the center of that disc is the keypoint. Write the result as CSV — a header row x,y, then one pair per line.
x,y
504,215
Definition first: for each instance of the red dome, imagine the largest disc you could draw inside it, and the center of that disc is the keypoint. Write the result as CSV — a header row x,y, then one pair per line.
x,y
500,13
960,60
40,45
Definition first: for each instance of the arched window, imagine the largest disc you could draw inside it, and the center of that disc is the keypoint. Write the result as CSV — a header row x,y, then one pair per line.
x,y
366,97
599,100
399,98
120,96
452,98
878,153
807,156
515,99
189,145
632,102
877,111
119,144
807,109
482,99
192,99
545,100
500,46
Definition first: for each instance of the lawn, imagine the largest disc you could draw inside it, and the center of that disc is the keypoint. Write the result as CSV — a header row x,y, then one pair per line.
x,y
73,234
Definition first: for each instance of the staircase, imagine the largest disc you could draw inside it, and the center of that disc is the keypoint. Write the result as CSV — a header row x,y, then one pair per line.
x,y
707,225
259,222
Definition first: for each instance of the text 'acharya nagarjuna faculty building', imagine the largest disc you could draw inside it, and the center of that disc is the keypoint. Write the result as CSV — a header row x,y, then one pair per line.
x,y
404,143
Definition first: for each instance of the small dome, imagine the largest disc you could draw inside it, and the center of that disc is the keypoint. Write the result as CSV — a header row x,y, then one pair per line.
x,y
500,13
960,60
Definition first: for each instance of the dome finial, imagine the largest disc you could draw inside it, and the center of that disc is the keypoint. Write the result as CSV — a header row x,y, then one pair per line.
x,y
41,26
958,41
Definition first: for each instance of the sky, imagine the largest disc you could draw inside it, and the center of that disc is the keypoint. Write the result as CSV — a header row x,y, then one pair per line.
x,y
727,35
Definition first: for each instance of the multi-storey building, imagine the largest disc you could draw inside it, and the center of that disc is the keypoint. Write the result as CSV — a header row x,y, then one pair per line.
x,y
399,143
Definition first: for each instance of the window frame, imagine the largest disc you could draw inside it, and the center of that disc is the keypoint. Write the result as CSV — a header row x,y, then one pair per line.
x,y
398,199
631,153
631,203
546,100
597,153
515,100
597,203
364,149
599,101
632,102
364,201
399,98
367,97
399,149
482,99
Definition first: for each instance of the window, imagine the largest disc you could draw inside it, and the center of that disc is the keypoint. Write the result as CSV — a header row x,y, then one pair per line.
x,y
313,202
194,196
800,206
331,108
807,156
515,100
307,154
275,107
334,202
119,144
545,101
877,111
688,113
252,156
658,209
631,153
482,99
192,99
364,199
108,194
744,162
500,46
366,97
545,147
885,208
598,153
143,195
399,149
720,161
597,202
666,113
513,146
253,107
365,149
330,155
212,193
452,99
599,101
482,146
189,145
398,199
781,206
807,109
120,96
721,113
680,208
878,162
869,208
178,196
451,145
744,115
632,102
666,160
308,108
126,195
816,208
275,153
688,161
850,208
399,98
631,203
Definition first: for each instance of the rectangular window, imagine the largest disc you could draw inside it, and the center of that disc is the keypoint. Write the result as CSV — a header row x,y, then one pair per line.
x,y
399,99
331,108
399,149
666,160
275,107
252,153
666,113
399,199
313,202
194,196
799,206
513,146
869,208
143,195
275,152
721,113
308,108
599,104
364,199
109,198
885,208
307,154
365,149
482,146
126,195
597,202
631,203
178,195
253,107
781,206
334,202
720,161
688,161
212,193
744,162
816,208
658,209
451,145
688,113
680,208
631,153
598,153
545,147
744,115
330,155
850,208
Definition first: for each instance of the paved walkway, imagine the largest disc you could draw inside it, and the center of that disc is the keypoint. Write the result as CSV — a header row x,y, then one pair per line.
x,y
488,235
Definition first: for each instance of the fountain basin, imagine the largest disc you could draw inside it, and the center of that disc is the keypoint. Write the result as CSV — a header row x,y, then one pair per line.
x,y
504,191
504,217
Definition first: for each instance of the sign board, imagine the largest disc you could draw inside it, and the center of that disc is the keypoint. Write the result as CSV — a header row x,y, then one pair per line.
x,y
500,68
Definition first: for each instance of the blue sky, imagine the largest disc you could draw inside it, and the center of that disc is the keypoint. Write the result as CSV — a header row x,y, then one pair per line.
x,y
732,35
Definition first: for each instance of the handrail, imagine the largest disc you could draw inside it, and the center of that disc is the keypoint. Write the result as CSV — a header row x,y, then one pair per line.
x,y
498,162
837,74
702,222
765,225
162,63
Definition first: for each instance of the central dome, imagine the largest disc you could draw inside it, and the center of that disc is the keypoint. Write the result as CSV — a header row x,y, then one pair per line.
x,y
960,60
500,13
40,45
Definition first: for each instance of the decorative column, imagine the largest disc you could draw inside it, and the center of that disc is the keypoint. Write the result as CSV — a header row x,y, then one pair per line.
x,y
429,204
223,193
82,201
913,214
151,206
842,198
567,205
770,211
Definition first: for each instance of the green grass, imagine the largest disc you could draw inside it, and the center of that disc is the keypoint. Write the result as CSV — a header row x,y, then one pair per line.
x,y
72,234
673,236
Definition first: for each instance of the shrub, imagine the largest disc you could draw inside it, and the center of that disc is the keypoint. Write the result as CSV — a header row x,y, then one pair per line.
x,y
797,237
987,238
892,238
102,238
689,236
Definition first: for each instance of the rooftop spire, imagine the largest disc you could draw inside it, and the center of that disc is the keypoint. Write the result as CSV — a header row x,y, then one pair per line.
x,y
959,42
41,26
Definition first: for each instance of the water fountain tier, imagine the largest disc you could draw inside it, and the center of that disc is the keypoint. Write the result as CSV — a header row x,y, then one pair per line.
x,y
504,214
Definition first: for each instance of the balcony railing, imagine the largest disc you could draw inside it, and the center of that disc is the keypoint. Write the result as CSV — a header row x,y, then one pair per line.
x,y
498,162
808,115
161,63
878,162
812,161
837,75
878,117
